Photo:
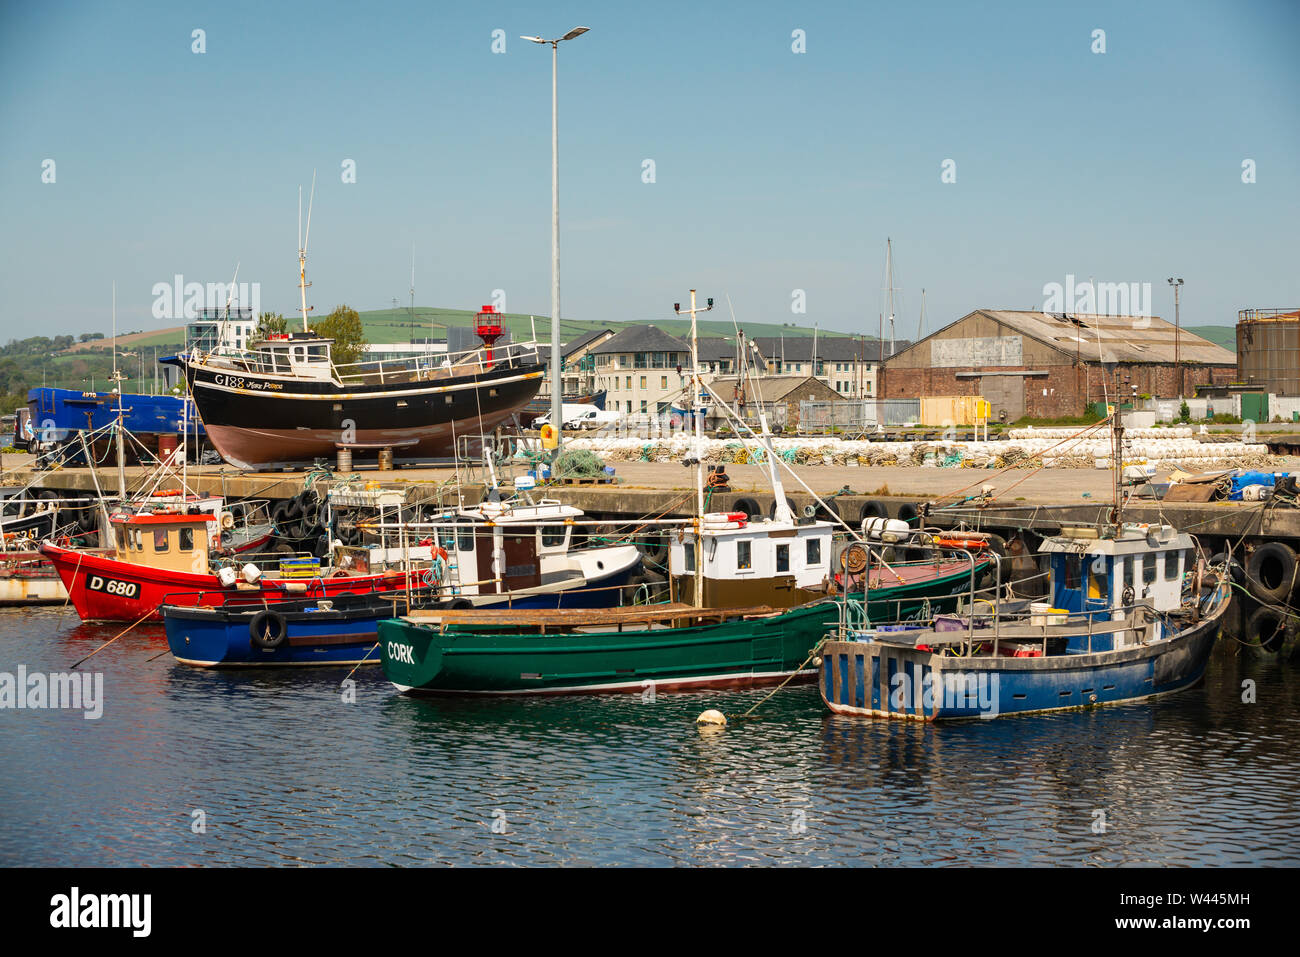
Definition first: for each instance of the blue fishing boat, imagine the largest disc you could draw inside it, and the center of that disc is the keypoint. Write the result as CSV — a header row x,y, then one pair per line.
x,y
338,631
1134,613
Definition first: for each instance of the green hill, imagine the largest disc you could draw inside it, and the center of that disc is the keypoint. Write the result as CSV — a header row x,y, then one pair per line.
x,y
398,325
1225,336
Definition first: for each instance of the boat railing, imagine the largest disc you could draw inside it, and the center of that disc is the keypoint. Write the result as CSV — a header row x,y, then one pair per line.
x,y
429,364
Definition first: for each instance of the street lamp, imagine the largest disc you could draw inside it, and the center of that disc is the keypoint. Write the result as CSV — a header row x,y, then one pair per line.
x,y
557,386
1177,337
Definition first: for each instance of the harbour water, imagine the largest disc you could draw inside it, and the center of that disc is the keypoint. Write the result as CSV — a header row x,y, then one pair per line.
x,y
190,767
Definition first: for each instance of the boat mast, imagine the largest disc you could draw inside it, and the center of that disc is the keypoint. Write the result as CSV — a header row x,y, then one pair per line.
x,y
302,247
117,387
699,447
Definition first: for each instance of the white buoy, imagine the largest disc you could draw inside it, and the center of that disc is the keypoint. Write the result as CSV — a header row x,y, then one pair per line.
x,y
711,717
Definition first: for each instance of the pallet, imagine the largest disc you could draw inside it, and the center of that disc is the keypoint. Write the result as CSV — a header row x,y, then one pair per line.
x,y
603,480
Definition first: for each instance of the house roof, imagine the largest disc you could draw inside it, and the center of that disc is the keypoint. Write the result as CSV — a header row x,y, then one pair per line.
x,y
642,339
585,339
1096,338
771,388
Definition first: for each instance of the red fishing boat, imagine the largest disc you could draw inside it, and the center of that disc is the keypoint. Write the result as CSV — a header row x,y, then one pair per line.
x,y
165,557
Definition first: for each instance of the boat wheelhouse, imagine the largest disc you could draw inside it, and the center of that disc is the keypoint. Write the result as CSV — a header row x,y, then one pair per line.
x,y
776,563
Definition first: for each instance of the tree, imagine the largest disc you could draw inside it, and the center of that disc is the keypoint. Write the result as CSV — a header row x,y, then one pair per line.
x,y
271,322
343,325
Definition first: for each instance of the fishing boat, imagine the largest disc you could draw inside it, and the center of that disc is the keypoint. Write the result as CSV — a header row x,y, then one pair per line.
x,y
1133,615
300,632
167,555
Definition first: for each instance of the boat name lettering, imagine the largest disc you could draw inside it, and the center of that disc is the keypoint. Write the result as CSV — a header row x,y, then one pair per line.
x,y
239,382
401,653
113,586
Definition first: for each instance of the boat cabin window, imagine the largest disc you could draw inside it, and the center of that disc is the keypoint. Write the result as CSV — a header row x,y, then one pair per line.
x,y
465,538
743,557
123,539
783,558
138,540
160,536
689,552
1171,565
552,535
814,551
1148,569
186,539
1073,571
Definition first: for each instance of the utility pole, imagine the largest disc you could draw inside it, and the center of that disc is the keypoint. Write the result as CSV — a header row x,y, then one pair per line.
x,y
1178,336
557,360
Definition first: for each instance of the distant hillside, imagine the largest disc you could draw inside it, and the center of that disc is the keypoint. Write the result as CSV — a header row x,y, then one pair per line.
x,y
1225,336
396,325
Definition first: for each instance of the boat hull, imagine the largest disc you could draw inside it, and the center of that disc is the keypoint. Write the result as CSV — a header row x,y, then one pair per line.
x,y
105,589
223,637
872,679
422,659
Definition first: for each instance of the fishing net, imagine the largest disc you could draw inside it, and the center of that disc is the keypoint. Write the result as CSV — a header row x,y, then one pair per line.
x,y
579,463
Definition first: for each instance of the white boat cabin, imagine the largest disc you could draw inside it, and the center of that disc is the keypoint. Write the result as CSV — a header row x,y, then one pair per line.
x,y
744,563
302,355
1107,576
501,547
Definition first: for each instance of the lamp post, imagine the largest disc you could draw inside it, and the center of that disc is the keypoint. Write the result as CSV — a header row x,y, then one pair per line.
x,y
1178,337
557,385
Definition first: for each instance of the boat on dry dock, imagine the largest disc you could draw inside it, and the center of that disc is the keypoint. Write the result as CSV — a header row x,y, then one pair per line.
x,y
284,402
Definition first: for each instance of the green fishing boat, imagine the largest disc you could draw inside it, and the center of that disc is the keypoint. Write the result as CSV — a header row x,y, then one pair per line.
x,y
663,647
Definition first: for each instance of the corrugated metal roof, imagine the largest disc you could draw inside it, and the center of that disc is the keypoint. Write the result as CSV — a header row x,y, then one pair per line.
x,y
1121,338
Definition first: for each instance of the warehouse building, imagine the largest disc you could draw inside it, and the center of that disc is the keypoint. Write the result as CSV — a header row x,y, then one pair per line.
x,y
1052,365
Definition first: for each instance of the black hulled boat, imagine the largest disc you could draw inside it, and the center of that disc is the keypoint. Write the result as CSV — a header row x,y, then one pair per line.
x,y
284,402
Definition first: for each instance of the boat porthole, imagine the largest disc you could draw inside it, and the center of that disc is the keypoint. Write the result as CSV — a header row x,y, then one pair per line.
x,y
600,565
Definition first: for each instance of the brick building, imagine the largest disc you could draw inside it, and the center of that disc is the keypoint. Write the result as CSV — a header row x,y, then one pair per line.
x,y
1049,365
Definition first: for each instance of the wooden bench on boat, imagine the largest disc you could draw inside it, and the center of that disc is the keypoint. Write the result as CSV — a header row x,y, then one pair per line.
x,y
675,614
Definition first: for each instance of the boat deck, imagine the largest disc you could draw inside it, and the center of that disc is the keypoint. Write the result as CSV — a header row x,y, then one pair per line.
x,y
570,618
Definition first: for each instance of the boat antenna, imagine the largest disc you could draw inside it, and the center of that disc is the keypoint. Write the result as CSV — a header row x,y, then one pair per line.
x,y
230,295
413,291
302,247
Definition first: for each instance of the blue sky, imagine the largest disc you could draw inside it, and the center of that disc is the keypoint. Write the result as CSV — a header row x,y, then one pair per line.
x,y
774,171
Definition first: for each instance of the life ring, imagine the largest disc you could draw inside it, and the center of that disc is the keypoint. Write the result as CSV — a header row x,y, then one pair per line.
x,y
268,630
165,492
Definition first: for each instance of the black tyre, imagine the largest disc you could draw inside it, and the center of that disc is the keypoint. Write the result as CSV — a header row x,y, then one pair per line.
x,y
872,509
749,506
771,509
1270,633
909,513
268,630
1271,572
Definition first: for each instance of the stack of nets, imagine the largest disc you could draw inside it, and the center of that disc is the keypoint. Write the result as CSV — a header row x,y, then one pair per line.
x,y
578,463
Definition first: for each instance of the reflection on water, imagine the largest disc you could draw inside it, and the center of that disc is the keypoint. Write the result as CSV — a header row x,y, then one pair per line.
x,y
285,772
